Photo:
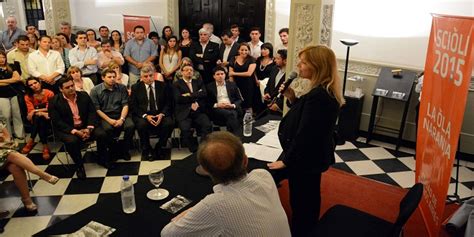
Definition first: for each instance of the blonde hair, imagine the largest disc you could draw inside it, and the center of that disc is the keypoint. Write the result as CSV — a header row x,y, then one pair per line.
x,y
113,64
72,69
322,62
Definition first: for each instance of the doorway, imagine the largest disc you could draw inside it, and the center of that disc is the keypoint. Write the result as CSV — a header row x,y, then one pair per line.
x,y
222,14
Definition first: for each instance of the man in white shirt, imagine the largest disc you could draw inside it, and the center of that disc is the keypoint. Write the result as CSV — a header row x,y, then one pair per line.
x,y
210,28
228,50
283,33
255,42
46,64
242,204
84,57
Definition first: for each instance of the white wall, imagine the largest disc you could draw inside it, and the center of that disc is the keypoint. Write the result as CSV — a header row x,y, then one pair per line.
x,y
94,13
282,16
390,32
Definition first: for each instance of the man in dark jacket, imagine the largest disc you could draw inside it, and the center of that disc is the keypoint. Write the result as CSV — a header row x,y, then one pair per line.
x,y
150,104
204,55
74,121
224,102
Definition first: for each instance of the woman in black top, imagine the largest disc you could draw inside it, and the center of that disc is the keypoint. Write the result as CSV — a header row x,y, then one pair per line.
x,y
185,42
241,71
265,65
306,135
10,87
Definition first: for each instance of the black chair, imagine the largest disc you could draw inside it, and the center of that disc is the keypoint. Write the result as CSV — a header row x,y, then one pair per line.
x,y
342,220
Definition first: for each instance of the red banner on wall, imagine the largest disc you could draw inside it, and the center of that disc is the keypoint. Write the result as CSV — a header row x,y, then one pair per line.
x,y
447,78
129,22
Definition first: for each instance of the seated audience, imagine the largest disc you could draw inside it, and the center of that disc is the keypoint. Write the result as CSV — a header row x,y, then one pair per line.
x,y
190,100
170,59
108,55
179,75
46,64
224,102
121,78
10,86
16,164
277,77
57,45
243,204
111,103
92,39
33,40
80,83
20,54
84,57
151,104
74,122
157,76
64,40
36,100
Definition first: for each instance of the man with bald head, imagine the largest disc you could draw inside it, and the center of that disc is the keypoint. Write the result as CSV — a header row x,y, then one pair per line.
x,y
10,34
243,204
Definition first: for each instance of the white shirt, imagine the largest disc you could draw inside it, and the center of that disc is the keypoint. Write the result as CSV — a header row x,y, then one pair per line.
x,y
255,51
215,39
222,96
249,207
279,76
39,64
225,57
77,58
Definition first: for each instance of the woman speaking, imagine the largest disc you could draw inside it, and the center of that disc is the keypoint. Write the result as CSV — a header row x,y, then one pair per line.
x,y
306,135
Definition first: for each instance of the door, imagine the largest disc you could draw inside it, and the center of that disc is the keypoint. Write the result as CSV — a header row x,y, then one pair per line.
x,y
222,14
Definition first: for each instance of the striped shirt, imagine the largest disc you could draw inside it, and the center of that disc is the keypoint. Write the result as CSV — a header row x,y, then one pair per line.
x,y
249,207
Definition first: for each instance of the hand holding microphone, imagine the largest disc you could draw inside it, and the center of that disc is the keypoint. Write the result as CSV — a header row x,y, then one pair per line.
x,y
284,88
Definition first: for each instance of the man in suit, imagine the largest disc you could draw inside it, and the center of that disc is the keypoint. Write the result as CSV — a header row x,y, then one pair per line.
x,y
190,98
110,100
228,50
277,77
224,100
150,104
74,121
204,55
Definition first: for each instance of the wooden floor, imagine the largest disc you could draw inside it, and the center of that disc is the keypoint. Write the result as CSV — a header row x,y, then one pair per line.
x,y
377,198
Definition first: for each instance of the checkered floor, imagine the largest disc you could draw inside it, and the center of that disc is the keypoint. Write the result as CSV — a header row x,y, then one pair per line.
x,y
376,161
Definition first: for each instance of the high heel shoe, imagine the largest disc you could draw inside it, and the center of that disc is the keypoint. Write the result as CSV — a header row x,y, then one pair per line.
x,y
53,180
30,206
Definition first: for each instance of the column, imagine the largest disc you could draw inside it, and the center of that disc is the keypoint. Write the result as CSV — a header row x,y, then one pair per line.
x,y
55,12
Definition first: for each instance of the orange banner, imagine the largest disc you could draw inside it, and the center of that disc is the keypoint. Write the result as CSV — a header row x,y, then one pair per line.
x,y
447,78
129,22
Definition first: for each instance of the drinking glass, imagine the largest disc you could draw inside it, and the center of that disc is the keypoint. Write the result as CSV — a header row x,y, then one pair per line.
x,y
156,178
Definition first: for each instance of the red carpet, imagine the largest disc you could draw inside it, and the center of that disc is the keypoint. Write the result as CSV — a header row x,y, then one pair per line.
x,y
379,199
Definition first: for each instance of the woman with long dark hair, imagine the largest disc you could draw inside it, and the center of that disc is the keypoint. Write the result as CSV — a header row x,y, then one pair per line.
x,y
265,65
36,100
306,135
185,42
92,39
241,71
116,41
170,58
166,33
10,87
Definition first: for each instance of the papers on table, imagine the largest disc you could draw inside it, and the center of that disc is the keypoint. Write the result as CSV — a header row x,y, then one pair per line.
x,y
269,126
270,139
261,152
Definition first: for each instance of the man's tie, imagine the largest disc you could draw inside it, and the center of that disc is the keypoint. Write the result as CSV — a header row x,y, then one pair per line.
x,y
151,99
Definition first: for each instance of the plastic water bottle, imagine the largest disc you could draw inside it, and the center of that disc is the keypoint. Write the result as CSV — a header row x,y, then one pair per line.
x,y
248,123
128,195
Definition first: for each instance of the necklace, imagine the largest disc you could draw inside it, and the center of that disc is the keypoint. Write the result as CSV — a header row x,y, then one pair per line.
x,y
264,65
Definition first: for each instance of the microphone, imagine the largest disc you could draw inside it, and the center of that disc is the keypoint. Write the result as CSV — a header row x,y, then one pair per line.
x,y
293,75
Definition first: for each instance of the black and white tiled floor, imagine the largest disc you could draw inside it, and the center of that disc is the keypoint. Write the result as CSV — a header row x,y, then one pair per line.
x,y
378,161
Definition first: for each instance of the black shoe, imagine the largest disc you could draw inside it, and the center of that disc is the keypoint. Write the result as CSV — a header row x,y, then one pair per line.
x,y
193,148
126,155
4,214
81,173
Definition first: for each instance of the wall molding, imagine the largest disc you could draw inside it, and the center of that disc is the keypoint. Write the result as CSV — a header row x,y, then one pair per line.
x,y
270,21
